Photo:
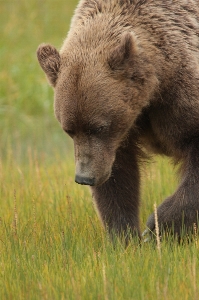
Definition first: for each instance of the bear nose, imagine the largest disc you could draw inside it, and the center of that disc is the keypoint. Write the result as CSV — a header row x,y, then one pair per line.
x,y
84,180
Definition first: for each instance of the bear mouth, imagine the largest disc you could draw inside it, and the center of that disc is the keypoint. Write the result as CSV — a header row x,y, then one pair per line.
x,y
92,181
85,180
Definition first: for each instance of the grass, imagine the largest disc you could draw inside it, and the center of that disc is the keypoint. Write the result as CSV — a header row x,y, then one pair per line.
x,y
52,245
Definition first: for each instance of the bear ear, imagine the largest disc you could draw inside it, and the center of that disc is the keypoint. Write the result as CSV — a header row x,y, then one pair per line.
x,y
49,60
124,53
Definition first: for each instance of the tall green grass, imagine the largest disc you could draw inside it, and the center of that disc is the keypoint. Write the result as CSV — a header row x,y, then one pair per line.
x,y
52,245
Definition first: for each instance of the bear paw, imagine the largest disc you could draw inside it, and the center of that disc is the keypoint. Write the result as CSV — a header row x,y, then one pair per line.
x,y
175,216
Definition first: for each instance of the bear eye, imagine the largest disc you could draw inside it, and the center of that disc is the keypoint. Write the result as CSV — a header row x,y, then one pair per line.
x,y
95,130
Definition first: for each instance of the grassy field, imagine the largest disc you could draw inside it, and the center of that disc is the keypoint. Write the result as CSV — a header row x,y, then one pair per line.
x,y
52,245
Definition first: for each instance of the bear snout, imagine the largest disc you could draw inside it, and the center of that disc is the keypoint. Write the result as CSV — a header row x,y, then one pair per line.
x,y
84,180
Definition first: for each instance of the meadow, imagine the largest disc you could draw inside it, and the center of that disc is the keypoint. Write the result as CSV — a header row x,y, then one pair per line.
x,y
52,245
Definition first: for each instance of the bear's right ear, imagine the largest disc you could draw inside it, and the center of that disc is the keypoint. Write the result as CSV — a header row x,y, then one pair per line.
x,y
124,54
49,60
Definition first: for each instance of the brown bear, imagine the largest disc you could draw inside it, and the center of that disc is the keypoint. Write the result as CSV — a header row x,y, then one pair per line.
x,y
127,79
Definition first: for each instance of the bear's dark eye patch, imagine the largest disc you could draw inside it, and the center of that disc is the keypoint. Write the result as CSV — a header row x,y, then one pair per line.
x,y
96,130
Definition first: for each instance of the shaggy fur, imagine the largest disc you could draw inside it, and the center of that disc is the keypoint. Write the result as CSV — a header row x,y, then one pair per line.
x,y
127,77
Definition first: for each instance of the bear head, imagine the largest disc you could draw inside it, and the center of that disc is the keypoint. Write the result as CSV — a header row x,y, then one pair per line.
x,y
99,92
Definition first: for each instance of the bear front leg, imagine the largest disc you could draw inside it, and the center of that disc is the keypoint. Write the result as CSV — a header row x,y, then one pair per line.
x,y
179,212
117,200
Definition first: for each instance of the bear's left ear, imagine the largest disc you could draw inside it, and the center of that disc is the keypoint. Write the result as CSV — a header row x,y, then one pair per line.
x,y
49,60
124,53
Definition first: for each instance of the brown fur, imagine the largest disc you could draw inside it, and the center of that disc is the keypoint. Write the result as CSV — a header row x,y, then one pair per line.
x,y
128,75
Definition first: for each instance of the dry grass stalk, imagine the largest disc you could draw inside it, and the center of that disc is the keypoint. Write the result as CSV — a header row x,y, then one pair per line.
x,y
34,221
157,231
63,249
105,282
14,227
194,279
195,234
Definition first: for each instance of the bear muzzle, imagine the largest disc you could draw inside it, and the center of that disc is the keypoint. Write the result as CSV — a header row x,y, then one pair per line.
x,y
84,180
90,171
